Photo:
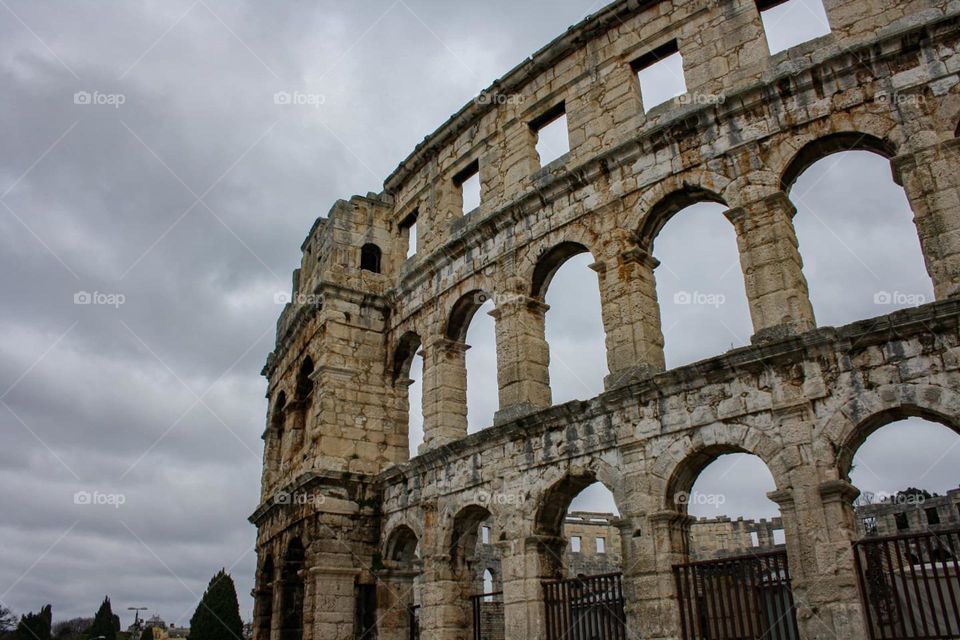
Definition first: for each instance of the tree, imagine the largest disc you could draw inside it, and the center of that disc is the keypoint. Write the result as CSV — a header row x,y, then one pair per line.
x,y
73,629
105,623
8,621
218,615
36,626
147,634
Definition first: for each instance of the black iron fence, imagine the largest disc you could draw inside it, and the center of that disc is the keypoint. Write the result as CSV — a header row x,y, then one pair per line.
x,y
488,623
910,585
739,598
585,608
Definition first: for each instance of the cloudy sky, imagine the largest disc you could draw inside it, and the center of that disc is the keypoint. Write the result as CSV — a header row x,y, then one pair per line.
x,y
148,169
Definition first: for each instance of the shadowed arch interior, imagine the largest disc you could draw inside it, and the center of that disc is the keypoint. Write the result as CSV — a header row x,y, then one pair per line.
x,y
293,589
403,356
557,499
401,547
872,424
304,383
820,148
549,263
466,525
669,206
462,313
279,406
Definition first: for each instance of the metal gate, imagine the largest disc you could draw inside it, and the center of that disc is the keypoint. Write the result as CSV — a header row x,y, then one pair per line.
x,y
910,585
488,623
740,598
585,608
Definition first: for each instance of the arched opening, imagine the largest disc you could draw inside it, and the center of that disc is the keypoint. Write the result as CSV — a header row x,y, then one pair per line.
x,y
264,599
370,257
291,591
408,382
861,250
582,570
573,323
700,288
734,542
473,552
471,325
907,518
399,592
304,387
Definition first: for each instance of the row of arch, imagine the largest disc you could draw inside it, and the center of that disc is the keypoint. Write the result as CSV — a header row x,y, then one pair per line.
x,y
537,277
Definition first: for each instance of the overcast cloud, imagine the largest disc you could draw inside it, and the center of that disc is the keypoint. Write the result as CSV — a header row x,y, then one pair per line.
x,y
184,207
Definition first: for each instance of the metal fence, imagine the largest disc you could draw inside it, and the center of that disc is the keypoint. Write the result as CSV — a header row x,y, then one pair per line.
x,y
488,623
740,598
585,608
910,585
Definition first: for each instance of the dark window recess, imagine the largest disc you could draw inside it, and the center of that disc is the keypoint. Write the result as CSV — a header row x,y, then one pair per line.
x,y
367,611
653,57
370,256
902,523
933,516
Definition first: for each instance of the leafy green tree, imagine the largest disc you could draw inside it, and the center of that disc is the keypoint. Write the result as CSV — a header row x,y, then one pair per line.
x,y
147,634
73,629
218,615
105,624
35,626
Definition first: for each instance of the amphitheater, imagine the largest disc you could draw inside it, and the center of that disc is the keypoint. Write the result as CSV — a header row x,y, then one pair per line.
x,y
356,539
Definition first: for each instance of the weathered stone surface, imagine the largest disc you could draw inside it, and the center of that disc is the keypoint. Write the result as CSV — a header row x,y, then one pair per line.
x,y
356,532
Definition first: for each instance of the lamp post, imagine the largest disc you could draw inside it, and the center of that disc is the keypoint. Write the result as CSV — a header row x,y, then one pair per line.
x,y
136,615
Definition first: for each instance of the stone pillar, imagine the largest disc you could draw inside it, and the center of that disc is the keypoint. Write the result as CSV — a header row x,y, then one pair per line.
x,y
444,392
395,598
523,357
932,184
445,601
631,316
818,522
333,612
772,267
650,587
526,563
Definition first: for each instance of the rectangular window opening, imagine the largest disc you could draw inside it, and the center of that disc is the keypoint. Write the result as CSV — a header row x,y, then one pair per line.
x,y
601,545
754,539
870,525
902,523
575,544
779,537
553,138
788,23
485,535
933,516
660,73
408,228
468,181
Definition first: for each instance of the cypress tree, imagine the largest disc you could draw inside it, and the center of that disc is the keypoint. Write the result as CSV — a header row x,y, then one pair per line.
x,y
218,615
105,623
36,626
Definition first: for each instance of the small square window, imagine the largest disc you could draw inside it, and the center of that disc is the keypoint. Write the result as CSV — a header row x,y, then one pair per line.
x,y
788,23
870,525
601,545
902,523
754,539
408,228
660,73
485,535
575,544
933,516
779,537
468,181
553,139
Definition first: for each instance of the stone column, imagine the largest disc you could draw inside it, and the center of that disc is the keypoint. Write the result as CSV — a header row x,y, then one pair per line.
x,y
631,316
523,357
395,598
932,184
772,267
650,587
526,563
445,601
333,611
818,522
444,392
